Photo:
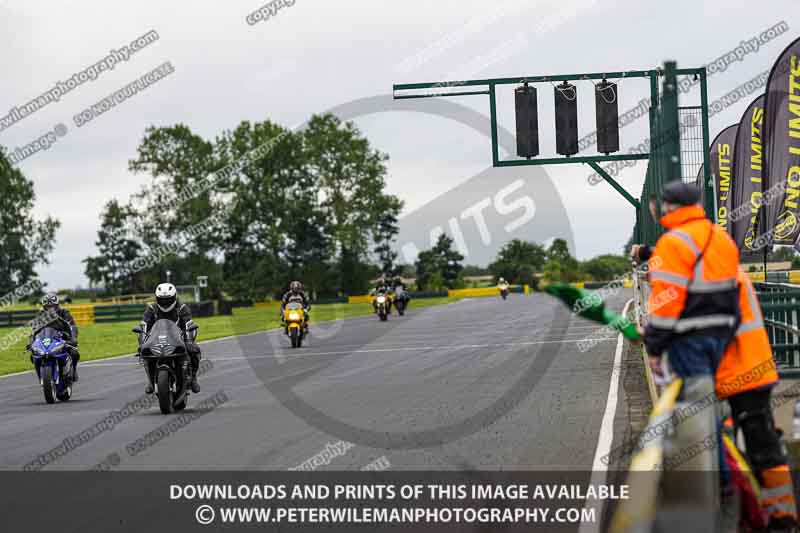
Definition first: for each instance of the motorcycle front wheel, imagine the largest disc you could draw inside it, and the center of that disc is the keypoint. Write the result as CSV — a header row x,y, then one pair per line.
x,y
48,384
165,396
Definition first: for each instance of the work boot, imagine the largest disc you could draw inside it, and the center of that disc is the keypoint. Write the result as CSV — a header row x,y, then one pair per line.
x,y
75,373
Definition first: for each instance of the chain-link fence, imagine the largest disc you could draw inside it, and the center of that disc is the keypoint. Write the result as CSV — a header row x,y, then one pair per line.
x,y
677,151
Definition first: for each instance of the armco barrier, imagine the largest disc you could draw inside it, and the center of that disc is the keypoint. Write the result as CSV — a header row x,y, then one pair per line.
x,y
366,298
83,314
13,319
118,313
482,291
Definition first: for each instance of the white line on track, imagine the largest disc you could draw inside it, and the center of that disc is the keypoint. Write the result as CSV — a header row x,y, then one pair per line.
x,y
606,437
402,349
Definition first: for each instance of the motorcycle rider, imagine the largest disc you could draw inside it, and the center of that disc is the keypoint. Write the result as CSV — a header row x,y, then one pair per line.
x,y
398,282
167,306
502,285
297,294
400,291
55,316
381,287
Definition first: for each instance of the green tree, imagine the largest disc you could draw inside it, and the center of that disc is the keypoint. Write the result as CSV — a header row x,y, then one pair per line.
x,y
475,270
441,262
560,265
297,205
517,261
117,250
606,267
181,191
25,242
385,234
351,176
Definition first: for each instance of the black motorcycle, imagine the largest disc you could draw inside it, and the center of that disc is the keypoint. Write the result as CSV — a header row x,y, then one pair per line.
x,y
401,299
163,351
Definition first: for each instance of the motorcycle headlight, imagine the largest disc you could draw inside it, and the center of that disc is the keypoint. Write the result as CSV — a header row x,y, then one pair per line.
x,y
381,299
46,342
294,315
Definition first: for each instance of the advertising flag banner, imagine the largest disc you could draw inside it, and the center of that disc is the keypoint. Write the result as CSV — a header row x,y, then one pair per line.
x,y
782,147
722,171
748,167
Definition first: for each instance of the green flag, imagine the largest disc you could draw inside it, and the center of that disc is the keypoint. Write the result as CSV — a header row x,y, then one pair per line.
x,y
589,305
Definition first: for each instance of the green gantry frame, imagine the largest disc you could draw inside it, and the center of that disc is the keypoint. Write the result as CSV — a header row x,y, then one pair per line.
x,y
669,100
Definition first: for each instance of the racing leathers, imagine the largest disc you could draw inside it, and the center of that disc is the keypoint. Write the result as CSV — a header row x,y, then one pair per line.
x,y
62,320
182,316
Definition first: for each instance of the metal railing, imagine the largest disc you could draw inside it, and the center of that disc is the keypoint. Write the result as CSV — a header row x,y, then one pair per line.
x,y
780,303
671,445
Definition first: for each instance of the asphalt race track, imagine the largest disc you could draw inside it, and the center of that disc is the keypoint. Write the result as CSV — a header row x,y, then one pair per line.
x,y
478,384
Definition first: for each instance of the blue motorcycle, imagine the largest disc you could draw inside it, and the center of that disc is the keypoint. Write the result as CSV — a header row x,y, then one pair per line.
x,y
52,358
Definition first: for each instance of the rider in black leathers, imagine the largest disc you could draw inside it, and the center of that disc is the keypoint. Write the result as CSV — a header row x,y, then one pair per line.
x,y
297,294
168,307
55,316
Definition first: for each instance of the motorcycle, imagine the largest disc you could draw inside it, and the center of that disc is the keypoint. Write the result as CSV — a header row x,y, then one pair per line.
x,y
503,291
52,358
383,304
401,299
294,318
163,351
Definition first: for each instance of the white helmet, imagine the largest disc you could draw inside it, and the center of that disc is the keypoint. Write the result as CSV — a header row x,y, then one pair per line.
x,y
166,297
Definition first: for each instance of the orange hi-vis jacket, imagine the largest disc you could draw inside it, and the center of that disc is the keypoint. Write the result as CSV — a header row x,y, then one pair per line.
x,y
747,363
692,275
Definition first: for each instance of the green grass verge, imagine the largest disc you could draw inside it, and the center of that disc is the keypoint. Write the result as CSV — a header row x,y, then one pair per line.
x,y
100,341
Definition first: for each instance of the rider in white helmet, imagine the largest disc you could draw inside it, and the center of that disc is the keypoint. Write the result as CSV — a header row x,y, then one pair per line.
x,y
168,307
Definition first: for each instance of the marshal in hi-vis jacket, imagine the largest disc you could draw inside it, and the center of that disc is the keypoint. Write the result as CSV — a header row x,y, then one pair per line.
x,y
747,363
693,281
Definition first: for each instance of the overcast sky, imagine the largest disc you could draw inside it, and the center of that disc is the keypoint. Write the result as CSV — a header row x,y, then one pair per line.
x,y
318,54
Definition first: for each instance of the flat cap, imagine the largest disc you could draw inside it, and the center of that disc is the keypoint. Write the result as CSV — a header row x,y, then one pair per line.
x,y
680,193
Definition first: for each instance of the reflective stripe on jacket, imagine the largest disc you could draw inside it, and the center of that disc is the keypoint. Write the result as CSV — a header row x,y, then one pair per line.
x,y
747,363
693,280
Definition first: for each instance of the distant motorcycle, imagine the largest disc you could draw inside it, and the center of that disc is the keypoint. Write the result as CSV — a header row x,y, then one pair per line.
x,y
503,290
52,358
401,299
383,304
294,318
163,350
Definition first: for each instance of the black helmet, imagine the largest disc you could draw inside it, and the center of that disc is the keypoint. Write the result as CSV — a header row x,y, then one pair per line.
x,y
295,287
50,300
166,297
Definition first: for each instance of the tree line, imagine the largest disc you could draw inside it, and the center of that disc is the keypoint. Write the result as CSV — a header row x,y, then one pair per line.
x,y
308,205
254,208
518,262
